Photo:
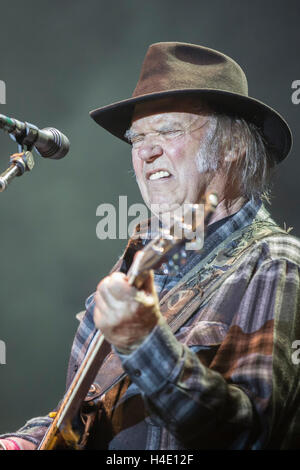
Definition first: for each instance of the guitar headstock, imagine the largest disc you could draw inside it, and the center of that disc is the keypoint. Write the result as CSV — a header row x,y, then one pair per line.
x,y
169,248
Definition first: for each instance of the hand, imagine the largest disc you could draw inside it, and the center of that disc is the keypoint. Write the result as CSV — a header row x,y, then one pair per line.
x,y
124,314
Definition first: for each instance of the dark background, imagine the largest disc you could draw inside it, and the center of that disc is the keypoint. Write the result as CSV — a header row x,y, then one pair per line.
x,y
60,59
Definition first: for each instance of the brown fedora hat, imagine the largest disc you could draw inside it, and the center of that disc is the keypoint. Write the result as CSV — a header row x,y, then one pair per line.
x,y
180,69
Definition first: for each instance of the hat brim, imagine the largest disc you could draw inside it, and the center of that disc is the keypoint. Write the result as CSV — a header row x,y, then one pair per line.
x,y
116,118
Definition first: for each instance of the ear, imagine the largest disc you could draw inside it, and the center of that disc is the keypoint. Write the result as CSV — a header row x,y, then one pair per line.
x,y
233,155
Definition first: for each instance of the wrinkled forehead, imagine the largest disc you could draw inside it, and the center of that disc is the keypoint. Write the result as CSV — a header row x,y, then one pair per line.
x,y
168,109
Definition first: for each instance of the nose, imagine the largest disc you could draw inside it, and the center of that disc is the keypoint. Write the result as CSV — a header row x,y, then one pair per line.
x,y
150,152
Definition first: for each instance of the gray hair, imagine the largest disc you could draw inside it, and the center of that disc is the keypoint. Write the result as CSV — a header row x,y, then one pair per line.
x,y
254,161
253,171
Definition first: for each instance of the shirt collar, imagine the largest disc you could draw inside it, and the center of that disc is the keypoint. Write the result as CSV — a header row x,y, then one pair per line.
x,y
240,219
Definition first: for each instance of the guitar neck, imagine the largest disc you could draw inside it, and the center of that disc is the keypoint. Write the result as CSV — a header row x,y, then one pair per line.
x,y
75,396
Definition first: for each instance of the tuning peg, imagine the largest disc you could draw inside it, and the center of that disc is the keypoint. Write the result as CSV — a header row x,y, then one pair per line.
x,y
183,256
172,267
174,270
179,258
165,268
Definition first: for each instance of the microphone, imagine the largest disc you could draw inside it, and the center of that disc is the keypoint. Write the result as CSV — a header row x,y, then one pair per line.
x,y
48,142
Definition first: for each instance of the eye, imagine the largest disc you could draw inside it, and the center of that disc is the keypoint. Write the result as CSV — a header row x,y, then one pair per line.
x,y
137,139
172,133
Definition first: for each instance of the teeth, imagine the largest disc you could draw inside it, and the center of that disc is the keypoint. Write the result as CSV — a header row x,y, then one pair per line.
x,y
159,174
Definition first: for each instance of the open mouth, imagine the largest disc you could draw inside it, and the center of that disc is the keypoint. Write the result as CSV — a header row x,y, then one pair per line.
x,y
158,175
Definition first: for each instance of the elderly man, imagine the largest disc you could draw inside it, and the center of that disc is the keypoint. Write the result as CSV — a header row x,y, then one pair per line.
x,y
206,362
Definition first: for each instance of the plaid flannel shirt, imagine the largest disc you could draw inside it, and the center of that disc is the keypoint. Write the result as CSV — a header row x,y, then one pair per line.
x,y
229,378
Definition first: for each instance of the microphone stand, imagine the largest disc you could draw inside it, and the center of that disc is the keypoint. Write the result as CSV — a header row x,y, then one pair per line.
x,y
19,163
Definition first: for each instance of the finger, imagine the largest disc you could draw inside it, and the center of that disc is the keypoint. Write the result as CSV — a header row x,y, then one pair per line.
x,y
100,301
119,287
102,292
105,283
115,288
148,284
117,276
100,314
97,317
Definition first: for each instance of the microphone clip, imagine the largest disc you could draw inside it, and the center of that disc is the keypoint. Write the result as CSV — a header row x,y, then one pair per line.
x,y
25,134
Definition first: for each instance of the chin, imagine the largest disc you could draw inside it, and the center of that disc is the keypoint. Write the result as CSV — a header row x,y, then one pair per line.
x,y
164,206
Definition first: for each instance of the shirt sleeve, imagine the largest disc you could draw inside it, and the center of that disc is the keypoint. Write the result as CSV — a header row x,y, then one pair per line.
x,y
33,431
233,401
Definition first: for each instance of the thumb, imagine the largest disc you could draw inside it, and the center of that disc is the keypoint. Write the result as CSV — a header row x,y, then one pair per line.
x,y
148,284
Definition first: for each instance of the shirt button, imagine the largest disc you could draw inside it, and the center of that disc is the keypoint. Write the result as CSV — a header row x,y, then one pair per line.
x,y
137,373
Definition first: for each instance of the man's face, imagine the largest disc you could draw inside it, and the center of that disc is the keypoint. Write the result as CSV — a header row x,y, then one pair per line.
x,y
167,151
